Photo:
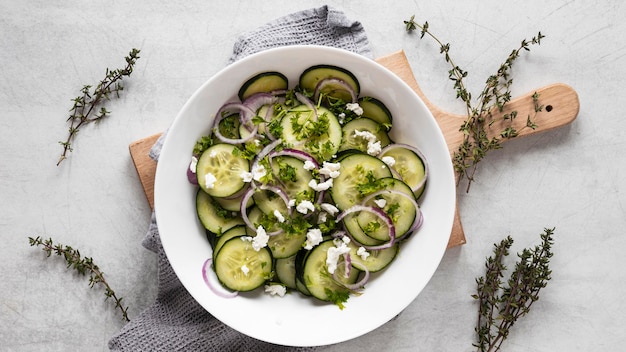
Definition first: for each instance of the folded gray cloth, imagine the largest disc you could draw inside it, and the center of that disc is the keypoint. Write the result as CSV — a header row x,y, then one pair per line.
x,y
176,322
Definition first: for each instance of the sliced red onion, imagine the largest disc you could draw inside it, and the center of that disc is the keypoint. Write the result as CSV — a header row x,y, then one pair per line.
x,y
298,154
191,175
418,212
218,291
309,104
416,151
223,112
357,286
335,81
382,215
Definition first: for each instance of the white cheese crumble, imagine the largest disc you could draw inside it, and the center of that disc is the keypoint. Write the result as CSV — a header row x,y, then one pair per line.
x,y
209,180
355,107
381,202
322,217
246,176
305,206
279,216
193,165
329,208
363,253
276,290
245,269
308,165
330,169
322,186
313,238
260,240
258,171
373,145
389,160
333,254
373,148
291,203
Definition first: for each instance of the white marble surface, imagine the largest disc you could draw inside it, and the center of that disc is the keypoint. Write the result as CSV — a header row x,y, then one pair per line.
x,y
571,178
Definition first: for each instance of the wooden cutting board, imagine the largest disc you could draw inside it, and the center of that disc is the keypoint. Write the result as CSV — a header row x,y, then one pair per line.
x,y
560,102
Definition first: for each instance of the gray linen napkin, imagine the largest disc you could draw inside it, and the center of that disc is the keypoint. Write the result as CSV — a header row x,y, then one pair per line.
x,y
176,322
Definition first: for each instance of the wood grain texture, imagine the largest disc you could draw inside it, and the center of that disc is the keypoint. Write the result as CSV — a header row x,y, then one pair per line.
x,y
562,100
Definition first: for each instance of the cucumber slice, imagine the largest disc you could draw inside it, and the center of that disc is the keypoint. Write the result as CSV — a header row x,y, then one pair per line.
x,y
297,123
237,231
321,284
212,216
286,271
264,82
351,224
219,164
377,259
354,172
376,110
292,174
240,268
349,141
410,167
312,75
400,209
282,245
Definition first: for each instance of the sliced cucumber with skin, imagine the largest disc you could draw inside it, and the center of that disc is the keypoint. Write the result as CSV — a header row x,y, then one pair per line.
x,y
350,141
376,110
399,208
240,267
237,231
353,173
377,259
314,74
286,271
320,283
209,214
351,225
220,162
323,146
264,82
410,167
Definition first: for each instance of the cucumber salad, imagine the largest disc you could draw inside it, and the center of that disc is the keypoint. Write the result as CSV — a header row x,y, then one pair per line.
x,y
302,189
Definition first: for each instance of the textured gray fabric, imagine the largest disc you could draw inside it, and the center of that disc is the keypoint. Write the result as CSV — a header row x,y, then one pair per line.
x,y
176,322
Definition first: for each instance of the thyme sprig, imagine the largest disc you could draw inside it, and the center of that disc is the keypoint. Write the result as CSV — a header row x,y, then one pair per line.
x,y
486,110
83,265
500,305
85,108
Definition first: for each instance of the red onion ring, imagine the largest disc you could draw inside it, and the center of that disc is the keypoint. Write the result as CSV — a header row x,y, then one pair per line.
x,y
418,212
335,81
357,286
382,215
205,276
306,101
222,112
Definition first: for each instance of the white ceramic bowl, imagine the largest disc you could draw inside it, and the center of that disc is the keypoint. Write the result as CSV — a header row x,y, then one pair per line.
x,y
296,320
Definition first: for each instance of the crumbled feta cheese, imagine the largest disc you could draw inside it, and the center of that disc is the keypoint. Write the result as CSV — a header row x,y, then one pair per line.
x,y
322,186
367,135
309,165
245,269
276,290
389,160
355,107
342,117
209,180
373,148
246,176
363,253
305,206
291,203
345,239
260,240
330,169
313,238
381,202
333,254
258,171
193,165
329,208
279,216
322,217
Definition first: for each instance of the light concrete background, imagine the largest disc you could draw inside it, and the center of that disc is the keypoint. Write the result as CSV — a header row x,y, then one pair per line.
x,y
571,178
